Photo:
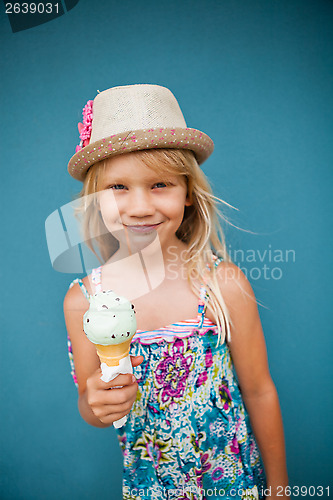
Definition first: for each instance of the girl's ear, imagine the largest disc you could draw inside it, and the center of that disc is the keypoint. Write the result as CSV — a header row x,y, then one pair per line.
x,y
188,201
189,195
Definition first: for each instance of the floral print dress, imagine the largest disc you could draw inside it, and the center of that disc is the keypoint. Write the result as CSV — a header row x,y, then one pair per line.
x,y
188,435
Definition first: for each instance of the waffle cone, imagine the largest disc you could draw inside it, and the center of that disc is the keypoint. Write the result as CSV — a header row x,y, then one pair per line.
x,y
112,354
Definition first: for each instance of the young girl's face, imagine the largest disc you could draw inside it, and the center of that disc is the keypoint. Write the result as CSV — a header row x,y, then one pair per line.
x,y
136,202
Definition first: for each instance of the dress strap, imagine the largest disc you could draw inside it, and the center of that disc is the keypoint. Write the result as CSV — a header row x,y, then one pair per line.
x,y
202,305
204,295
217,260
96,278
83,288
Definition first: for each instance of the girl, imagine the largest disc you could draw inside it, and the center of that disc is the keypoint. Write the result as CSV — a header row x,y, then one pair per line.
x,y
149,214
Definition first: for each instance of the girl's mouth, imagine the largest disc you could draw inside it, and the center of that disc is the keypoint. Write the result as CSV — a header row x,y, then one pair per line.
x,y
142,228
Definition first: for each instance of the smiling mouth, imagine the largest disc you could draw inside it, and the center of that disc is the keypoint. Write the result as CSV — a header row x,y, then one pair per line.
x,y
142,228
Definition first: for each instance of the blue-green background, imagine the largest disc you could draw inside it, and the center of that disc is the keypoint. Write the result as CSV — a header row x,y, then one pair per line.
x,y
256,75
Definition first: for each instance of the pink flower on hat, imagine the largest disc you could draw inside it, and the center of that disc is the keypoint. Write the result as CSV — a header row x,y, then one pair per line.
x,y
85,127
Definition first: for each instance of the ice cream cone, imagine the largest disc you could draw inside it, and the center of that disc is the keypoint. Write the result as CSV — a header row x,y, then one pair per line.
x,y
112,354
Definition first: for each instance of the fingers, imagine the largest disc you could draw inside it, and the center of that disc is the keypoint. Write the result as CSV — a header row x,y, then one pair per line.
x,y
120,381
113,404
95,382
112,400
109,419
137,360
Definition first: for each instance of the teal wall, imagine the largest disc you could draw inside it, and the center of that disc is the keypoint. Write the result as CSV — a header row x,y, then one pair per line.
x,y
256,76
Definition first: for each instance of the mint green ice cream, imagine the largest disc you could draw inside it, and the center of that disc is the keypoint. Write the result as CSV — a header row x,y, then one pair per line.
x,y
110,319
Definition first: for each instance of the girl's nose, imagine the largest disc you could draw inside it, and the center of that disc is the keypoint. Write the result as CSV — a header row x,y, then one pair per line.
x,y
139,204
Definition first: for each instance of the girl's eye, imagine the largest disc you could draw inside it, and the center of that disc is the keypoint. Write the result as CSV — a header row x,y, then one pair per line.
x,y
160,185
117,187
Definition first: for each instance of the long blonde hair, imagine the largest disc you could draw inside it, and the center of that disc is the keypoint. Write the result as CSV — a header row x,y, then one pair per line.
x,y
200,229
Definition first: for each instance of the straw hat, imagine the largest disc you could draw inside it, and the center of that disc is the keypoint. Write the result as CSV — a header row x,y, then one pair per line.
x,y
131,118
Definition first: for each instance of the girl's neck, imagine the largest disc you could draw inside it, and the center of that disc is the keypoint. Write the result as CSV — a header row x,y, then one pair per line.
x,y
134,275
176,253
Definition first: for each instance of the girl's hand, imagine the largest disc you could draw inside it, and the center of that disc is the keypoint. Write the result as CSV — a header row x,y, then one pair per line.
x,y
112,400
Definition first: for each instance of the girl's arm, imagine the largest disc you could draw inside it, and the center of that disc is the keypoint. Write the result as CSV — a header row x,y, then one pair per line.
x,y
248,351
98,405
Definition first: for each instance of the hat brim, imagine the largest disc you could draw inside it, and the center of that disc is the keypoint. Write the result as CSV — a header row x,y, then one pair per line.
x,y
135,140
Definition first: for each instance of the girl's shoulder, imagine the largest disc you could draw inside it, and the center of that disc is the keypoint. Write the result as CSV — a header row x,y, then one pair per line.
x,y
77,296
233,284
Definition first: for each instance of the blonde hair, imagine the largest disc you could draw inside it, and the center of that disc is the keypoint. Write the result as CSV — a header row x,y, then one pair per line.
x,y
200,229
